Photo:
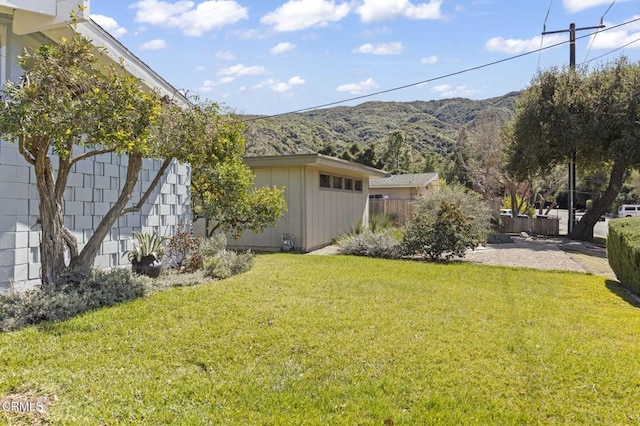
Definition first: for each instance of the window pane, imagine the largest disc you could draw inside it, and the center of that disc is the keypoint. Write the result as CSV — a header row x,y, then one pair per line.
x,y
348,184
325,181
337,182
359,185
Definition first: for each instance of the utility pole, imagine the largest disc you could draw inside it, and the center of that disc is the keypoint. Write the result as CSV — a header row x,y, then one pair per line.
x,y
572,158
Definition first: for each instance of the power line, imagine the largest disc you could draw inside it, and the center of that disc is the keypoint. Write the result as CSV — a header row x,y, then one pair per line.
x,y
544,29
440,77
596,34
608,9
611,51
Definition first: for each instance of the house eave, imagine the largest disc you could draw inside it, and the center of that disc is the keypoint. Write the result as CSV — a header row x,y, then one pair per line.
x,y
315,161
119,54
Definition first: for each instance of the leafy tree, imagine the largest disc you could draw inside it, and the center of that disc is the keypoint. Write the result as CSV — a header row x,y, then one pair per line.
x,y
329,149
594,114
368,157
69,100
65,100
396,158
224,198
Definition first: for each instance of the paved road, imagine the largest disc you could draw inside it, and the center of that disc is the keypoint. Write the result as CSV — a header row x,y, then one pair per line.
x,y
600,230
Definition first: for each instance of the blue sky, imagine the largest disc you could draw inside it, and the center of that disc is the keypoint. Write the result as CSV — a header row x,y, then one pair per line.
x,y
271,57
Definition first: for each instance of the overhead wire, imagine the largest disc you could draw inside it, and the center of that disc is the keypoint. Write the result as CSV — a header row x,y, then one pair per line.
x,y
443,76
611,51
544,30
593,39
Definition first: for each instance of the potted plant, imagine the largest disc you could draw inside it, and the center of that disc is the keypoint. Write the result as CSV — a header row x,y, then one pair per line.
x,y
145,256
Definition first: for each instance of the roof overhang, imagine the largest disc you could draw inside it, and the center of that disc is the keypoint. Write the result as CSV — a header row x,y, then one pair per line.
x,y
388,182
31,16
53,17
319,161
116,54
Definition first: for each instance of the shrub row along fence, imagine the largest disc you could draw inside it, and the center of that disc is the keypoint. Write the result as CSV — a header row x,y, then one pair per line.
x,y
400,210
537,226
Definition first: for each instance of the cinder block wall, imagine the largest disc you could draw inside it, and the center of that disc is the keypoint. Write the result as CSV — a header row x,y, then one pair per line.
x,y
92,188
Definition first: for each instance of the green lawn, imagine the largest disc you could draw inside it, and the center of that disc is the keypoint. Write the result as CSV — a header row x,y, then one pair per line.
x,y
343,340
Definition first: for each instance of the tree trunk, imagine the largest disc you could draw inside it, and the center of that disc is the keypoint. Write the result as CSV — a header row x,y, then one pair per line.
x,y
52,242
88,254
583,230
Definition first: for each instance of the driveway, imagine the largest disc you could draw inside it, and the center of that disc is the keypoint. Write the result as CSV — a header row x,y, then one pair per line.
x,y
545,253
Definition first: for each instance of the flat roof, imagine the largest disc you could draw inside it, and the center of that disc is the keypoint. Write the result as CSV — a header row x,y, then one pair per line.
x,y
314,160
412,180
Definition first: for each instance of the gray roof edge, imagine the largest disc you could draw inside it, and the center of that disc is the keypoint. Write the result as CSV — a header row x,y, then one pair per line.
x,y
311,160
399,181
116,51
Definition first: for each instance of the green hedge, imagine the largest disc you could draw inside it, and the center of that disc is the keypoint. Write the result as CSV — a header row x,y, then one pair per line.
x,y
623,251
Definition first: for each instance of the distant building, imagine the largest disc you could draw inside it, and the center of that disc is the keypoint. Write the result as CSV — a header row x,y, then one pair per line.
x,y
325,197
403,187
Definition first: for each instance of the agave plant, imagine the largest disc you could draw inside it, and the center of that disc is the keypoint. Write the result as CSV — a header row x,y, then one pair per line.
x,y
148,245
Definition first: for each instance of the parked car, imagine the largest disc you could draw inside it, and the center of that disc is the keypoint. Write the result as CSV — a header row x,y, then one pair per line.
x,y
629,210
508,212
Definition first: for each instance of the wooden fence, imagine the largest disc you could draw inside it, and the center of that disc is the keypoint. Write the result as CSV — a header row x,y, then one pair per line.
x,y
536,226
400,210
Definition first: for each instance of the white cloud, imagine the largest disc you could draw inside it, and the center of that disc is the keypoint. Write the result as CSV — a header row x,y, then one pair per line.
x,y
281,48
516,46
433,59
617,38
155,44
280,86
381,10
301,14
265,83
227,56
447,91
242,70
395,48
200,68
208,85
110,25
192,21
297,80
573,6
358,88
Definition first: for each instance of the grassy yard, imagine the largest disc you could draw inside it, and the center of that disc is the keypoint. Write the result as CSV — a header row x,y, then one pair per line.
x,y
342,340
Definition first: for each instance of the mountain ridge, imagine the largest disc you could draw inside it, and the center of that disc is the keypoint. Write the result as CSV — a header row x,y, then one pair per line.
x,y
429,126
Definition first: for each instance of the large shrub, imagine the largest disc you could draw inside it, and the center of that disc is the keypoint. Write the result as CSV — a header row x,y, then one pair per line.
x,y
446,223
623,251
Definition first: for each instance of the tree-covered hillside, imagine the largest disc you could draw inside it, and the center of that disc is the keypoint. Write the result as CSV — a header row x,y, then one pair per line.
x,y
429,126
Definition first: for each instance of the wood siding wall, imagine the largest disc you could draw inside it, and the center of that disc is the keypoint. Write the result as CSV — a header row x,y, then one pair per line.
x,y
331,212
270,239
400,210
541,226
